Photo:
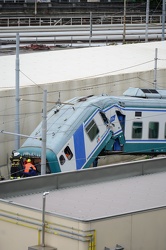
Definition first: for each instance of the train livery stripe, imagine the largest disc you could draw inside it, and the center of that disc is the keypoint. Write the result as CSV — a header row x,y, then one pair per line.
x,y
79,147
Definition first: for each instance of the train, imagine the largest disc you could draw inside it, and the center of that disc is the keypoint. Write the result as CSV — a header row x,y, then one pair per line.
x,y
84,128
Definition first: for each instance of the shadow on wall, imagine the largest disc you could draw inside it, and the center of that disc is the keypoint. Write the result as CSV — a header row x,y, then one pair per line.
x,y
117,247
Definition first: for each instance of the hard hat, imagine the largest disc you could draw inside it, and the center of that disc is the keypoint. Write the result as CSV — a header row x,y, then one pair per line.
x,y
29,160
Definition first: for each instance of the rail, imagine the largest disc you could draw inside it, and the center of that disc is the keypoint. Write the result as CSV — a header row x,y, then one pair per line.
x,y
76,35
77,20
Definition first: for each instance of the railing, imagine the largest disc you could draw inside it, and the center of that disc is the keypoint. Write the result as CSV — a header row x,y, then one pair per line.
x,y
80,20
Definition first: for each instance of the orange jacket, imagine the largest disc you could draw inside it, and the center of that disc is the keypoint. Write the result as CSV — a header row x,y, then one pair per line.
x,y
28,166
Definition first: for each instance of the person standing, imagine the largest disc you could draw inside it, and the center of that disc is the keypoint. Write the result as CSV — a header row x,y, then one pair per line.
x,y
16,170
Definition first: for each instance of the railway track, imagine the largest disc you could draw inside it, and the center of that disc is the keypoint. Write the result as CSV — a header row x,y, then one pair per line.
x,y
79,34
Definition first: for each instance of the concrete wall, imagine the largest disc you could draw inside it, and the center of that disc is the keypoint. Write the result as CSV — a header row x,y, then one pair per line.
x,y
31,111
81,177
144,230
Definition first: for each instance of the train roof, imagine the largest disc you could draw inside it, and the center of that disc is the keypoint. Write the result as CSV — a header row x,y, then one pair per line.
x,y
146,93
64,119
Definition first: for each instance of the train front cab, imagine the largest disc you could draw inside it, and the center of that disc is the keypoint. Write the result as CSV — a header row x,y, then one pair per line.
x,y
52,165
96,135
85,144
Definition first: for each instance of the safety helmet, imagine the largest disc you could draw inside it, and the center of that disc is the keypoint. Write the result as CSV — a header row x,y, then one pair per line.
x,y
29,160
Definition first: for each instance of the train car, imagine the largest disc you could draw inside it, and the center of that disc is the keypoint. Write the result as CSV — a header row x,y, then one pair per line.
x,y
86,127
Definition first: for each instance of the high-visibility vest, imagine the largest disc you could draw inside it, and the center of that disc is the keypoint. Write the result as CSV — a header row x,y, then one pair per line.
x,y
28,166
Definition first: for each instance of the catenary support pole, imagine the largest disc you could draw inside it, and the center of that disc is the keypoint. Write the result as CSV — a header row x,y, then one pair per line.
x,y
17,115
90,35
163,20
147,20
124,23
44,131
155,69
35,8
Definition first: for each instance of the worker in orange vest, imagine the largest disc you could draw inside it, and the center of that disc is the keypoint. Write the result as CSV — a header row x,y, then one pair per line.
x,y
29,169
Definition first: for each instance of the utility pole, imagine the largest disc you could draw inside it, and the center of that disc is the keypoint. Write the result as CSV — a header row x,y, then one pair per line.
x,y
17,115
147,20
35,8
124,23
90,29
44,134
163,20
155,69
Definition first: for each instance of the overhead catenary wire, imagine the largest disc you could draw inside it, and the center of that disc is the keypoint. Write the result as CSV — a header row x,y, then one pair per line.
x,y
97,85
89,86
97,75
137,151
29,114
71,130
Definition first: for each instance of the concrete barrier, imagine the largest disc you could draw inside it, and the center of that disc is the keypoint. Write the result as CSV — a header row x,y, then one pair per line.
x,y
81,177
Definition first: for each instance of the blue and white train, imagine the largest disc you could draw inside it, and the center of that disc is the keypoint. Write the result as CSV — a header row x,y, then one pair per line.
x,y
134,123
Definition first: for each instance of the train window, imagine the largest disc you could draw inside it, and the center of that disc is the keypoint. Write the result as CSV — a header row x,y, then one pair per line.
x,y
137,130
92,130
121,119
153,130
68,153
138,114
165,130
62,159
105,119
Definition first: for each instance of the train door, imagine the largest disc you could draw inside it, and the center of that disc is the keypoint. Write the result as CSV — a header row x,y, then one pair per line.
x,y
79,146
118,122
96,132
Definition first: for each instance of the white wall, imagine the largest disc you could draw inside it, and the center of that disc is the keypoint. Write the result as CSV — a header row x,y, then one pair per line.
x,y
143,230
20,228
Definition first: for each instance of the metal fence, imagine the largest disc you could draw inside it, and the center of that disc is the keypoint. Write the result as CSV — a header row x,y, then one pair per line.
x,y
78,20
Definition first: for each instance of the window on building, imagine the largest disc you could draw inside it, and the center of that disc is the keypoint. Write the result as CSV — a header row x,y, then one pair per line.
x,y
68,153
137,130
92,130
153,130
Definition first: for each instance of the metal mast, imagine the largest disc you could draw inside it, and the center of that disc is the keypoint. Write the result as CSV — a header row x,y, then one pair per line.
x,y
44,132
17,118
155,69
147,20
163,20
124,23
90,35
